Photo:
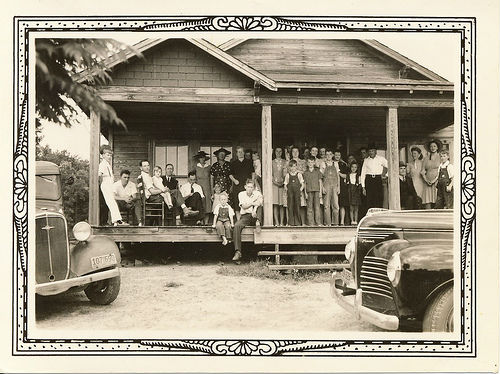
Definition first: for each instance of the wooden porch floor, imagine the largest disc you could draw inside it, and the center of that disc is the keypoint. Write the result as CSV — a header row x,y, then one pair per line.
x,y
267,235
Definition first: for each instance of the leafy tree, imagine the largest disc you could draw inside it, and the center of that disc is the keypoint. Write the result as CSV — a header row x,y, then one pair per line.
x,y
75,195
67,73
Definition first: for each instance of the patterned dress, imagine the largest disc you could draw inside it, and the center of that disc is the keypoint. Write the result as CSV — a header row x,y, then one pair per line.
x,y
278,178
221,175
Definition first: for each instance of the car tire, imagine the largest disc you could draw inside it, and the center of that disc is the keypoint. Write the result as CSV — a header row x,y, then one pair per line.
x,y
103,292
439,314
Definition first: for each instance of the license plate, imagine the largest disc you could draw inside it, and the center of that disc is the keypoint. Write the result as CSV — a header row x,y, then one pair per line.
x,y
346,276
103,261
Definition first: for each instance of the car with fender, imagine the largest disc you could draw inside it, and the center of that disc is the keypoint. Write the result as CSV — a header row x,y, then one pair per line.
x,y
400,274
90,265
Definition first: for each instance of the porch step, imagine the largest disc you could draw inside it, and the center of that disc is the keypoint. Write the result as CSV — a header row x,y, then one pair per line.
x,y
300,253
308,267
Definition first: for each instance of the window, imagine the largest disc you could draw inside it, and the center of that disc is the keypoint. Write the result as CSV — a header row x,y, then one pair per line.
x,y
176,155
210,149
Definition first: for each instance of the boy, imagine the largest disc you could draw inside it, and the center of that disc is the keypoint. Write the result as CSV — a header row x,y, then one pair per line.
x,y
331,190
223,218
444,198
294,185
313,187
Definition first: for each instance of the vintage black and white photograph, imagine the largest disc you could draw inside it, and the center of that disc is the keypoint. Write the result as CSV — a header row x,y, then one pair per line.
x,y
245,185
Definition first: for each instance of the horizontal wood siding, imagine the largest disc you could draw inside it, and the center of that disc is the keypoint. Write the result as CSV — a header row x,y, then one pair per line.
x,y
129,148
316,60
178,63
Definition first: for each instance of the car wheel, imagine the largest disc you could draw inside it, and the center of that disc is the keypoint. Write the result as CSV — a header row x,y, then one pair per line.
x,y
103,292
439,315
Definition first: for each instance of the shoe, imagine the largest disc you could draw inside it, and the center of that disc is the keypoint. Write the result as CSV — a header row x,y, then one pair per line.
x,y
237,256
257,226
140,224
189,212
224,241
120,223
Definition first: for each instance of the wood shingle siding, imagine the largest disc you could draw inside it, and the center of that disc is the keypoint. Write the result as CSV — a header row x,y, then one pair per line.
x,y
178,63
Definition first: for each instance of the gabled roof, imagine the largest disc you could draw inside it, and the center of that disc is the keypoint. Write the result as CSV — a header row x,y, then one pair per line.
x,y
206,46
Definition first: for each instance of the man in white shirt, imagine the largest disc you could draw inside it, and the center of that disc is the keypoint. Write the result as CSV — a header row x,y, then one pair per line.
x,y
250,204
153,194
373,170
127,197
193,196
106,181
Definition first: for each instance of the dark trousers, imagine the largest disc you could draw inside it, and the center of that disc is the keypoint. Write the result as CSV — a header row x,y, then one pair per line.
x,y
293,205
195,202
374,191
313,208
245,220
134,208
103,210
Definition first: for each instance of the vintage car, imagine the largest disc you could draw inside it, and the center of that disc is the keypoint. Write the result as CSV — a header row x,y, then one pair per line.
x,y
401,271
91,265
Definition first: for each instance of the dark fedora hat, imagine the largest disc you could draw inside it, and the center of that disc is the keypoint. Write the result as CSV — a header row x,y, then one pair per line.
x,y
435,141
222,150
371,146
402,164
201,154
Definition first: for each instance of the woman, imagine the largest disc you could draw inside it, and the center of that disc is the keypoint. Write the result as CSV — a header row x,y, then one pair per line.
x,y
430,173
415,170
221,171
203,179
278,191
301,167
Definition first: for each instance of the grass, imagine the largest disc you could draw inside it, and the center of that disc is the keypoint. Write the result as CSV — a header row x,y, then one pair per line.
x,y
259,269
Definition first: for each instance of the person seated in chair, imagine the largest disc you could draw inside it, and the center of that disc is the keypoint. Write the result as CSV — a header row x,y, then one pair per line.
x,y
153,194
193,195
407,193
127,197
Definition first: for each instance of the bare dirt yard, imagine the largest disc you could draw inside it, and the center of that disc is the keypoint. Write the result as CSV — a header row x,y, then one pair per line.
x,y
203,296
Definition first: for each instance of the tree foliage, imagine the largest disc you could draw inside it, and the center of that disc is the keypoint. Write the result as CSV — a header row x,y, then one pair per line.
x,y
67,74
75,195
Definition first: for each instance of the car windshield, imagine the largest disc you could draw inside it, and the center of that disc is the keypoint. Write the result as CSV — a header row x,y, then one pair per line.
x,y
48,187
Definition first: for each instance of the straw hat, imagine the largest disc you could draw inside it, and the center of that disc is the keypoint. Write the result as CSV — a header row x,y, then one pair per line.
x,y
201,154
222,150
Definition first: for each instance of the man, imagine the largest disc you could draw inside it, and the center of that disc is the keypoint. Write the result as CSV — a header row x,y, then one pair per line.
x,y
168,179
153,194
331,190
106,181
250,204
241,170
373,170
407,193
193,196
127,197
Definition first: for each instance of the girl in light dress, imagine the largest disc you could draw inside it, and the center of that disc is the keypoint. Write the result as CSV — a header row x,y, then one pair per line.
x,y
415,170
158,183
430,173
257,167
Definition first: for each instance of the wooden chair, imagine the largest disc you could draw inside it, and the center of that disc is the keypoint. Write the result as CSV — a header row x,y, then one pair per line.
x,y
153,211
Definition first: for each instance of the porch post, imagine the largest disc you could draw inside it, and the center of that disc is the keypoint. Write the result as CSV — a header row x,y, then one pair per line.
x,y
267,164
393,157
95,134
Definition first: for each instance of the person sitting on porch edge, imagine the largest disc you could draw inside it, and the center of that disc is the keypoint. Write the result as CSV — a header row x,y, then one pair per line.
x,y
193,197
241,170
127,197
224,218
153,194
250,203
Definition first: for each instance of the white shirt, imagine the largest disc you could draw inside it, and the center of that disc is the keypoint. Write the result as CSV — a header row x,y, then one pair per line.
x,y
186,189
373,166
106,171
129,190
299,175
148,183
352,178
229,209
448,167
244,199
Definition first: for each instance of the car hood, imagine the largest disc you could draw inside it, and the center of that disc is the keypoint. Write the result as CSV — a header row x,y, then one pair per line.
x,y
411,219
43,206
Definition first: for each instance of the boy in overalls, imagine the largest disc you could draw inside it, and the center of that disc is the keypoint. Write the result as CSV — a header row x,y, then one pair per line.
x,y
294,184
331,190
444,198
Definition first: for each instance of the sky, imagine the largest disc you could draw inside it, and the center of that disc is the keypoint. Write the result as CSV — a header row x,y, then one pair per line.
x,y
437,52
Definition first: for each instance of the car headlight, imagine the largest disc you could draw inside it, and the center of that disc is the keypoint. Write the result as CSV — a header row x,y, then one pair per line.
x,y
394,268
82,231
349,250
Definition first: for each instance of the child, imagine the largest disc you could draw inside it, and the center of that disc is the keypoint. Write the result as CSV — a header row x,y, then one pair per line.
x,y
257,166
157,182
216,196
444,198
353,192
294,185
314,185
223,218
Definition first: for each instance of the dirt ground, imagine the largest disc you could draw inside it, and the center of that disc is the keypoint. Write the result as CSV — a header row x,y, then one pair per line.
x,y
195,296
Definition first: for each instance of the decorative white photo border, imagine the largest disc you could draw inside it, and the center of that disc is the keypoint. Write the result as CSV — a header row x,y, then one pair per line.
x,y
24,344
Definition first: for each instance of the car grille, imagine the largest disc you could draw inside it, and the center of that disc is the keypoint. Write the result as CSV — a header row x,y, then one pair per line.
x,y
51,249
373,279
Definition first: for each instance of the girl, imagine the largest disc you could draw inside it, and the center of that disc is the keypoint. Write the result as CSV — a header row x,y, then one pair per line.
x,y
430,173
257,166
415,170
157,182
278,178
224,218
354,192
217,195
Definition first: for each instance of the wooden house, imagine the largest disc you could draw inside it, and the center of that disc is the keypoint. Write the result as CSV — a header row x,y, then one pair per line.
x,y
184,95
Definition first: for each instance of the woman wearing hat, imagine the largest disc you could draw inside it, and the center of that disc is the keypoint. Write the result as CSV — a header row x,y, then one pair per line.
x,y
203,179
221,170
430,173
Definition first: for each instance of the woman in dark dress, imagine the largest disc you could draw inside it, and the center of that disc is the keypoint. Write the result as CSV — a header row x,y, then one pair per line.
x,y
221,171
